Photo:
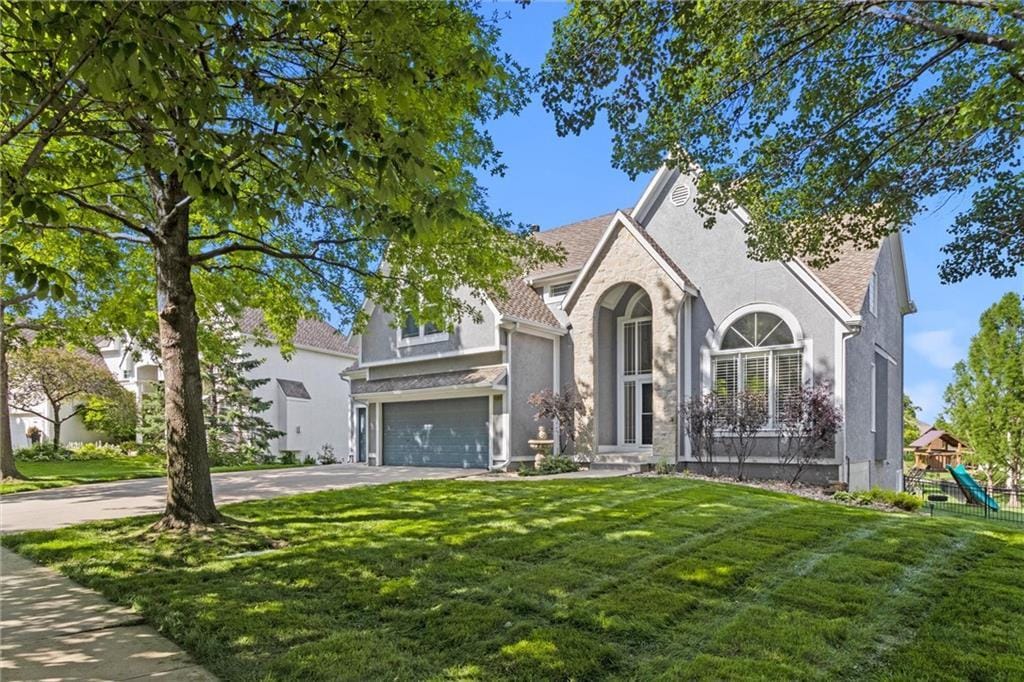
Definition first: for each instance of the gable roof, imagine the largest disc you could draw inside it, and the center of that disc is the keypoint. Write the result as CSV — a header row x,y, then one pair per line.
x,y
309,332
649,238
521,302
578,239
849,276
842,286
646,241
933,434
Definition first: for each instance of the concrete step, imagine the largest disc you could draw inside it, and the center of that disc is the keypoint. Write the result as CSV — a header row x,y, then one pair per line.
x,y
624,457
634,466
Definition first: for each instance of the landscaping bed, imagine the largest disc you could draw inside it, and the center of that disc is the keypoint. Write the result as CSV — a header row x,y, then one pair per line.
x,y
639,578
876,498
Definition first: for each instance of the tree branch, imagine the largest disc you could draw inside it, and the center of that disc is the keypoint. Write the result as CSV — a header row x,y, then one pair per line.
x,y
961,34
45,103
111,213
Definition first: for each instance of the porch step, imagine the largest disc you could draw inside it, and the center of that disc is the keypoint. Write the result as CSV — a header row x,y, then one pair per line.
x,y
623,461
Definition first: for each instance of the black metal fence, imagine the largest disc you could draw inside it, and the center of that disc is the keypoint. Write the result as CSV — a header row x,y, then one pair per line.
x,y
946,496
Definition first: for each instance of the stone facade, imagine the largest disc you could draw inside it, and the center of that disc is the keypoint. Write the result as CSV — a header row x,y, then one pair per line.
x,y
626,260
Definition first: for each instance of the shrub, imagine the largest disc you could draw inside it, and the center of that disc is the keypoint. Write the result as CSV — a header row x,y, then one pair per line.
x,y
808,422
663,468
892,498
94,451
700,414
326,454
563,409
742,418
550,465
288,457
42,452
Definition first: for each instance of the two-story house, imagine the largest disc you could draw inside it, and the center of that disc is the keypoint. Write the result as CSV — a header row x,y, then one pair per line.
x,y
648,309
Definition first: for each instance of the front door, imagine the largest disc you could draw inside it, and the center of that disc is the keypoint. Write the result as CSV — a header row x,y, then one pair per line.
x,y
360,434
636,391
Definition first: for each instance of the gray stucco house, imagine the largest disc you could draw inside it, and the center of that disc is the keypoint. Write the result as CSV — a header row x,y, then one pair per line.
x,y
648,309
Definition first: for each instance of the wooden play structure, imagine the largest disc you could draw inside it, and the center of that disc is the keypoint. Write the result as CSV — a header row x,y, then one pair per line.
x,y
936,449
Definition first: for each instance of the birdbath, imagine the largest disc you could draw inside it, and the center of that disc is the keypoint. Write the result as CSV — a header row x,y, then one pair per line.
x,y
542,446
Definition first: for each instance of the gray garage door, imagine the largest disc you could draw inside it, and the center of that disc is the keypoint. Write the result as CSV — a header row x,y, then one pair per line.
x,y
436,433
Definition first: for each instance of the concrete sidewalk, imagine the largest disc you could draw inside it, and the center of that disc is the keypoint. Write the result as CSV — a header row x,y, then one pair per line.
x,y
54,629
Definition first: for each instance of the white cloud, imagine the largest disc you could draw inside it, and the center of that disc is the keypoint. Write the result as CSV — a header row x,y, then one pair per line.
x,y
927,395
937,347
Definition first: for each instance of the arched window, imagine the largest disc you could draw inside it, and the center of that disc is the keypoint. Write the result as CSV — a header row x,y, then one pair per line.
x,y
759,353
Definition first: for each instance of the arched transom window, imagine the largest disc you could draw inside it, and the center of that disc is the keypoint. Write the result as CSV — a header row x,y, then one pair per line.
x,y
759,353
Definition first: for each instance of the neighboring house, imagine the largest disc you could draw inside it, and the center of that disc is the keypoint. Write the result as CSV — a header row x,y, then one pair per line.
x,y
72,430
309,398
648,309
935,449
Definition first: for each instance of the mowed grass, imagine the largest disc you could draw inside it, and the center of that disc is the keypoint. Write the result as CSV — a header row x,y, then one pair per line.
x,y
43,475
636,578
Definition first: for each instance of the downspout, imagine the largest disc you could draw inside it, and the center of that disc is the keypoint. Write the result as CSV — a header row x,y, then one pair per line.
x,y
854,330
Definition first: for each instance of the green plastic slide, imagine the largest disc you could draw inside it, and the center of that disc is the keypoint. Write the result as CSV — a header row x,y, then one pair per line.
x,y
972,490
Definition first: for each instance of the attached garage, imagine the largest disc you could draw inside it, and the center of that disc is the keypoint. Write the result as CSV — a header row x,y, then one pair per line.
x,y
437,433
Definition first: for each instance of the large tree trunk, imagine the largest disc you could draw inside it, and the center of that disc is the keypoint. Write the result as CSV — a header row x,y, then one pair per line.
x,y
8,468
189,488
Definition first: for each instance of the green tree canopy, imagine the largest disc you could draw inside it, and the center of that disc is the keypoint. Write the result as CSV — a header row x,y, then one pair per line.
x,y
265,154
985,402
55,384
910,430
828,121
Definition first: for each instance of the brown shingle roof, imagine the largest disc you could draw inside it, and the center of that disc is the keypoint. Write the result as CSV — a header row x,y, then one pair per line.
x,y
849,276
578,239
480,376
308,332
524,303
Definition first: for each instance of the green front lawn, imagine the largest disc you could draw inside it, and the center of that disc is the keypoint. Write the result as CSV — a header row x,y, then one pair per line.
x,y
587,579
73,472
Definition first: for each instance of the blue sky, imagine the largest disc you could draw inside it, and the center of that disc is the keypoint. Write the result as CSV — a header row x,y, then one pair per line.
x,y
552,181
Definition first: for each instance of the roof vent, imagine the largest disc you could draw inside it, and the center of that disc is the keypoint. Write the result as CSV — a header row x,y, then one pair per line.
x,y
680,194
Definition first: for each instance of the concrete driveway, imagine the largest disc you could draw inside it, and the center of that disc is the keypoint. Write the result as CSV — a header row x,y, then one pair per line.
x,y
44,509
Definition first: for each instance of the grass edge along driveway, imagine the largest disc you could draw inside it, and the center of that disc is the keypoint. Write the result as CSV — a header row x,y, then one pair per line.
x,y
588,579
65,473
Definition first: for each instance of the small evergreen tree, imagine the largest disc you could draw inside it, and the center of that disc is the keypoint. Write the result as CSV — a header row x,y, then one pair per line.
x,y
152,422
236,431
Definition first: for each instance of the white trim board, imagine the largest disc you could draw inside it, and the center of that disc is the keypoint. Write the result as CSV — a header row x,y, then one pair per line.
x,y
433,356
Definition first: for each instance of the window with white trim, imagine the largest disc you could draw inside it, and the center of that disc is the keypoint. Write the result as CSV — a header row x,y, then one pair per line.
x,y
556,292
759,354
411,332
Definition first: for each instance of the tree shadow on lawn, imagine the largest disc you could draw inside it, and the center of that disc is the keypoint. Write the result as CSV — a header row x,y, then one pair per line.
x,y
627,578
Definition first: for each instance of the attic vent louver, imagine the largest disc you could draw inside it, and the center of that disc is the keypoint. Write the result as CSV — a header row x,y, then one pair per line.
x,y
680,194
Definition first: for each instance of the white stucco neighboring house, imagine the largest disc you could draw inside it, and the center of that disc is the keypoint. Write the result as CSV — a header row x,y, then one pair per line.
x,y
648,309
309,399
